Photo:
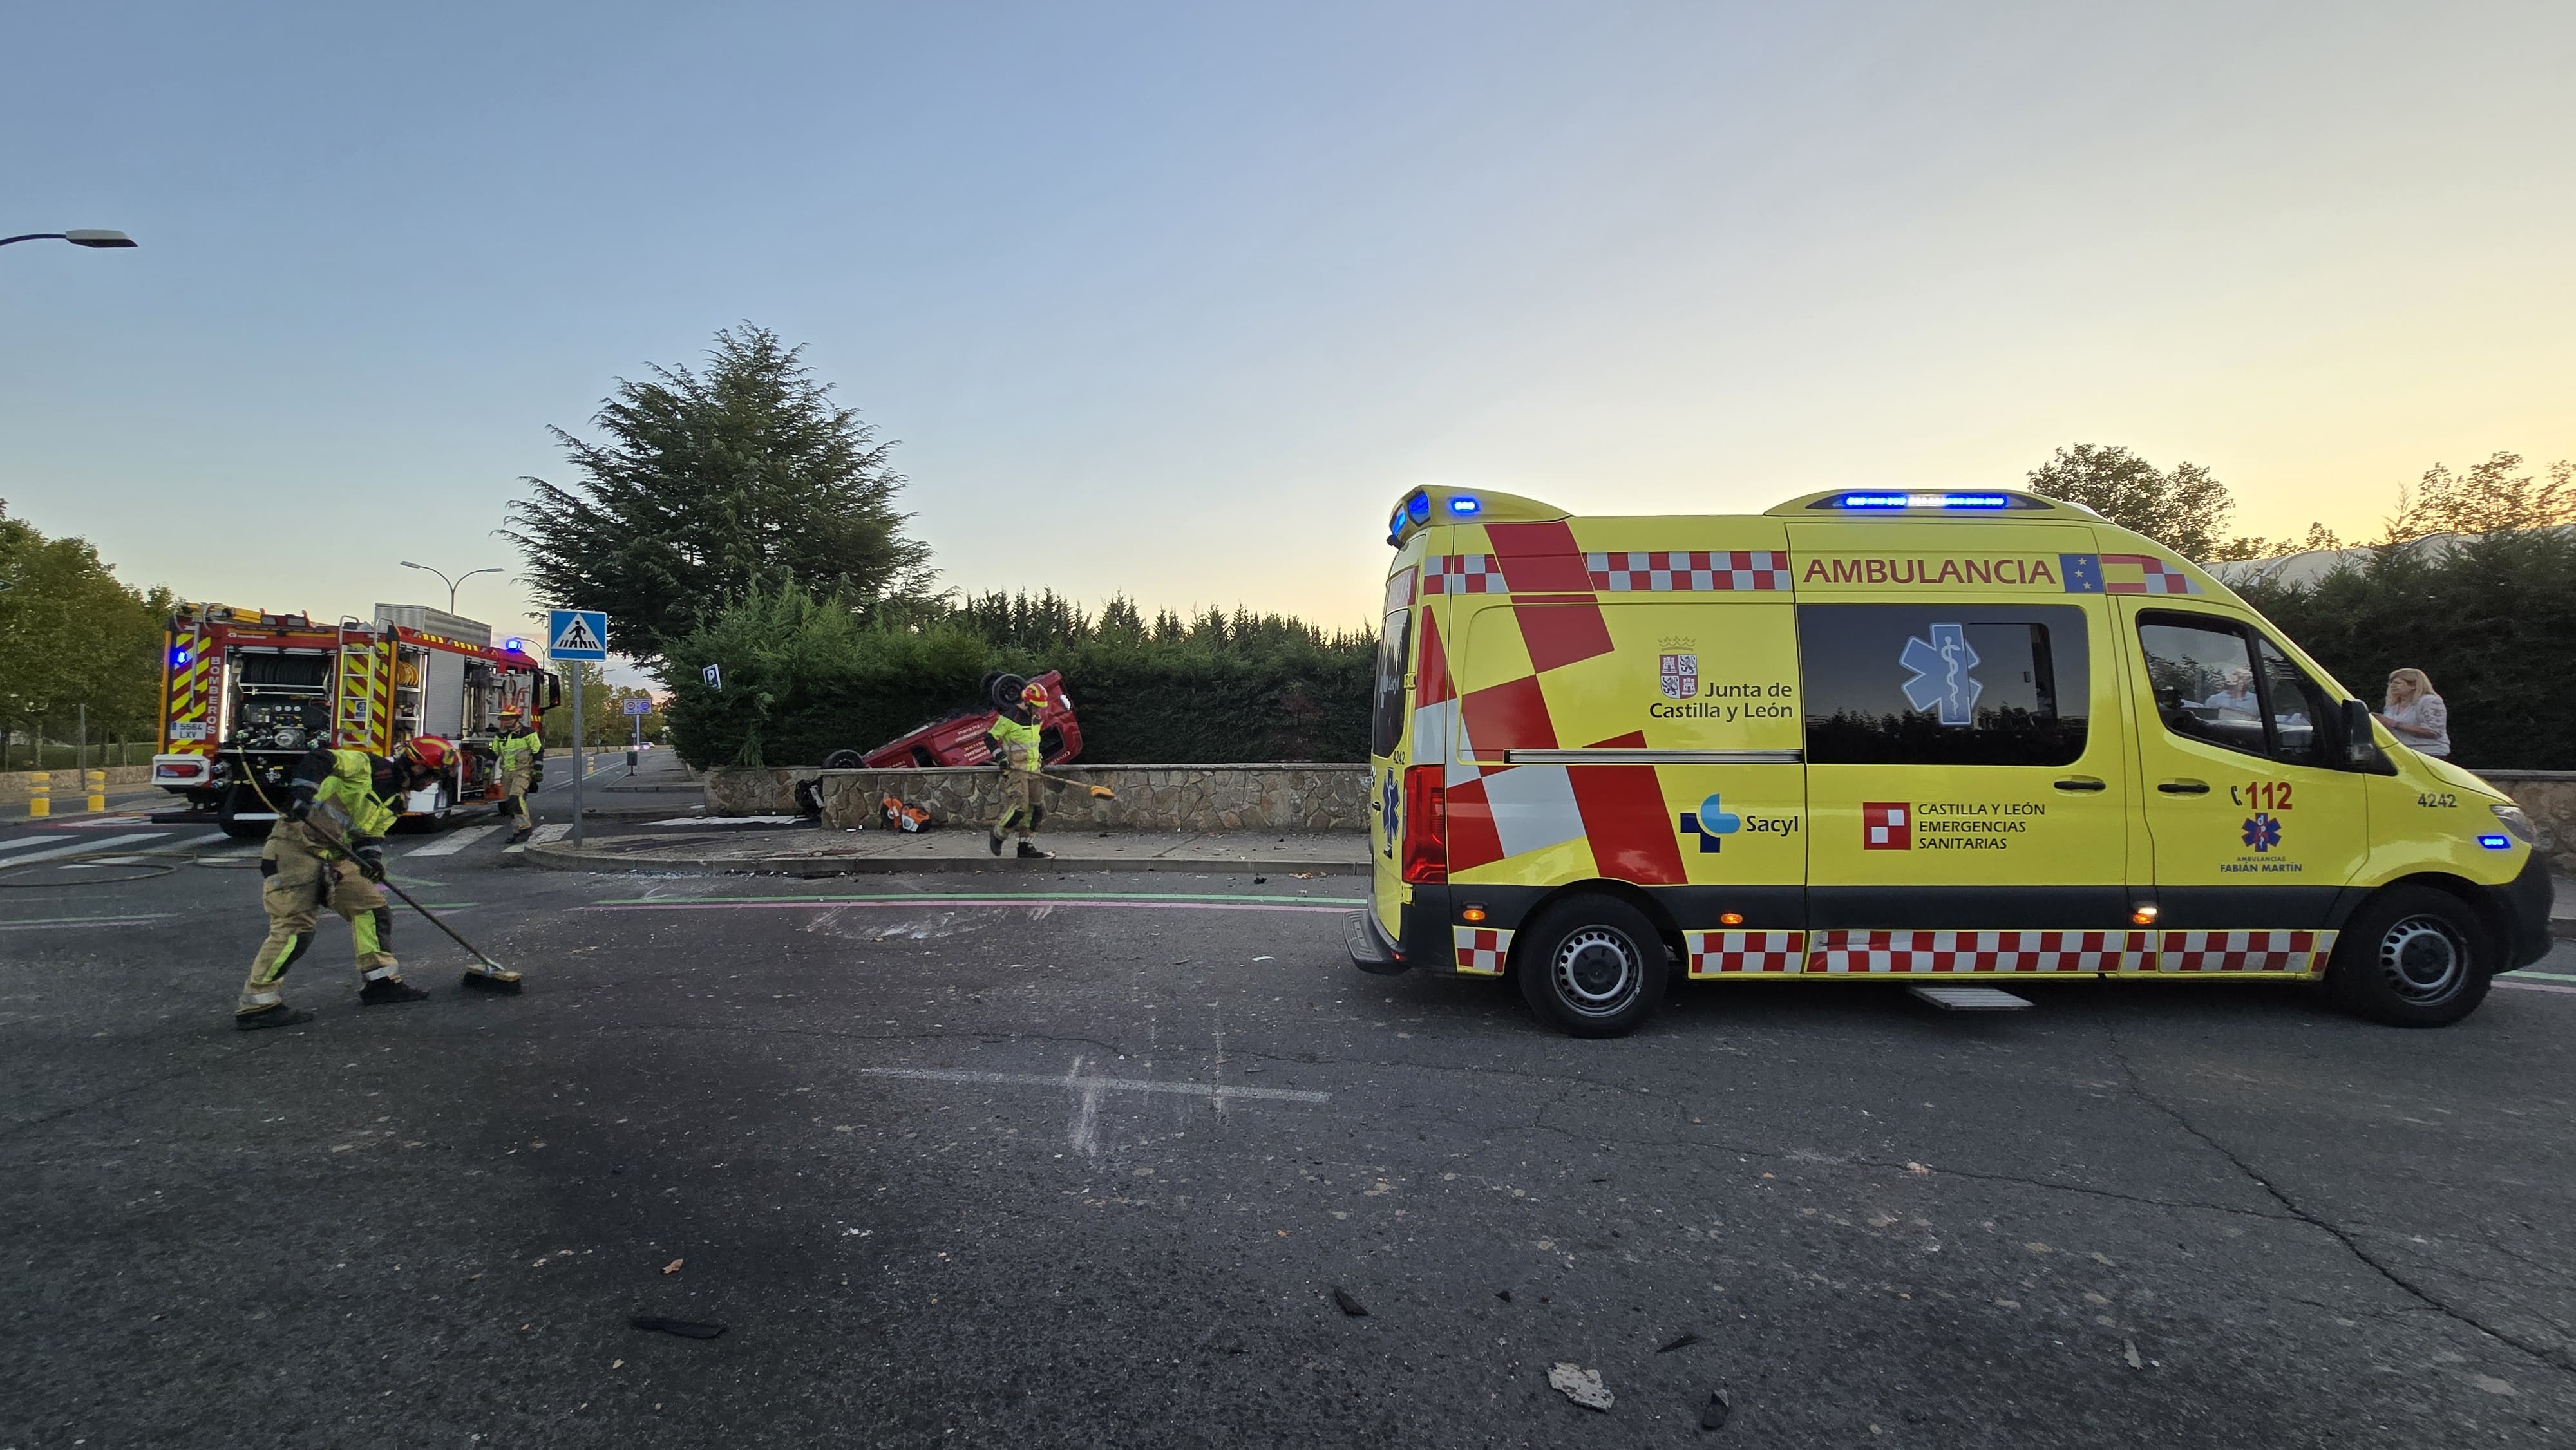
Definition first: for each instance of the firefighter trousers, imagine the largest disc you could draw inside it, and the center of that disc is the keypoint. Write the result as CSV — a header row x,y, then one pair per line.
x,y
296,883
1019,803
514,797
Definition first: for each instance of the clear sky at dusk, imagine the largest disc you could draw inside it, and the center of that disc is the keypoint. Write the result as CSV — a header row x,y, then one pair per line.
x,y
1176,300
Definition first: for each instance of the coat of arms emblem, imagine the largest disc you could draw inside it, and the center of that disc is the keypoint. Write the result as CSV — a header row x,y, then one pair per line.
x,y
1680,673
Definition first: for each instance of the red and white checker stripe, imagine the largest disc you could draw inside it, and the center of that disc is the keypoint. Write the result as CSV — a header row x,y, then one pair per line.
x,y
1966,952
2244,951
1481,949
1657,573
1745,953
1463,574
2155,576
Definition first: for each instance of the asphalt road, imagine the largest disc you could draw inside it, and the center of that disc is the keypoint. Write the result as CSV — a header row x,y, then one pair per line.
x,y
1084,1164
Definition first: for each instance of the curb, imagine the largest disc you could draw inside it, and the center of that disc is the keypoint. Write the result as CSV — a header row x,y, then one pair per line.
x,y
556,857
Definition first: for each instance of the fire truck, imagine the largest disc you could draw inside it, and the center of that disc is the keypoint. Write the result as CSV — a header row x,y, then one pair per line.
x,y
246,693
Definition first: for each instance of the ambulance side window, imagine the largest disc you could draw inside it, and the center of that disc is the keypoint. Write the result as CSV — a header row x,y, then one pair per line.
x,y
1906,684
1394,646
2218,681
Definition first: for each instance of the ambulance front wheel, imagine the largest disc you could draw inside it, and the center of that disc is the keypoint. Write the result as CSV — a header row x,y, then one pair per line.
x,y
1592,966
2413,956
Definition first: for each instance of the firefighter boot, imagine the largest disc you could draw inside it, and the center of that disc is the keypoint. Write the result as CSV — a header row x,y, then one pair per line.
x,y
1029,852
994,840
386,990
278,1015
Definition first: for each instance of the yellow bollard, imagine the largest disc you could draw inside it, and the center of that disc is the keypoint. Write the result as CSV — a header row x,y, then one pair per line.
x,y
98,790
40,795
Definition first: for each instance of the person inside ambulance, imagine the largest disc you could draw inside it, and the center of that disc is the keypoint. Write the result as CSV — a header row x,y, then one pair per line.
x,y
326,850
520,756
2235,700
1017,749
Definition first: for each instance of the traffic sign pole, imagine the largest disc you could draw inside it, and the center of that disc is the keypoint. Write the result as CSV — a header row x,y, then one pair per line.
x,y
577,770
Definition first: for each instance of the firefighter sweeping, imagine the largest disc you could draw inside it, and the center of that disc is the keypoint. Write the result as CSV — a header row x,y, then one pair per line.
x,y
326,851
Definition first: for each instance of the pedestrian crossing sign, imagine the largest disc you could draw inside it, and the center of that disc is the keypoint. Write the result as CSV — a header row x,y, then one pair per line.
x,y
577,634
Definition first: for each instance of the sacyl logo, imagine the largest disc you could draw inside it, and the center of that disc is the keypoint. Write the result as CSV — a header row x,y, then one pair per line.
x,y
1711,821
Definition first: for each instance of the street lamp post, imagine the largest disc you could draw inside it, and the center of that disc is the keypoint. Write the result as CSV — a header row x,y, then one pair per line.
x,y
451,583
76,238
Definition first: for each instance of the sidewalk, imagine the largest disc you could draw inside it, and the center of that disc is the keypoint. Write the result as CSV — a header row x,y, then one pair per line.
x,y
718,847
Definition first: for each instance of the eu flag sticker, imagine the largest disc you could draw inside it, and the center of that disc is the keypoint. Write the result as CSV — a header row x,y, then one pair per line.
x,y
2082,572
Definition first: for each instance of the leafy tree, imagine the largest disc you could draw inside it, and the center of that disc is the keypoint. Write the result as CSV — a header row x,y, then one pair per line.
x,y
2184,510
704,482
2489,498
73,635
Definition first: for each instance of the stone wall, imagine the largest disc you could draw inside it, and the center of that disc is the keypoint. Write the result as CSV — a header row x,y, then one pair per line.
x,y
1284,797
2549,798
16,785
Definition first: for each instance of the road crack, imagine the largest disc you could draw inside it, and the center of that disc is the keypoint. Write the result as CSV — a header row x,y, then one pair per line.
x,y
2544,1355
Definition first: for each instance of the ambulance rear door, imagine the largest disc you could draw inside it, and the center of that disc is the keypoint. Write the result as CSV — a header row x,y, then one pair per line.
x,y
1968,772
1400,686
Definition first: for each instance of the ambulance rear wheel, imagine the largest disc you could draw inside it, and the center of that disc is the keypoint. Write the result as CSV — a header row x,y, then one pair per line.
x,y
1592,966
2413,956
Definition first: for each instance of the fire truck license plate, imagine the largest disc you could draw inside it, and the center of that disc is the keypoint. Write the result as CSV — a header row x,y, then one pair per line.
x,y
188,730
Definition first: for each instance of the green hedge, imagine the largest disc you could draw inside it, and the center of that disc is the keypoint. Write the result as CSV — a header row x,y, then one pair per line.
x,y
2490,620
804,677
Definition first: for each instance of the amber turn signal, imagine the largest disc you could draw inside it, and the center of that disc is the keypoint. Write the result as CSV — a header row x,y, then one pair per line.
x,y
2143,916
1730,918
1473,913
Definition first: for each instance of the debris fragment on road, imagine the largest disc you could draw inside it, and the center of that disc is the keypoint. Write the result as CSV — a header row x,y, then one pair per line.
x,y
1683,1341
685,1328
2129,1352
673,1267
1583,1386
1712,1416
1349,1304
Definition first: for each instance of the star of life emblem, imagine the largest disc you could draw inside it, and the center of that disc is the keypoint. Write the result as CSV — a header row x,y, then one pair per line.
x,y
1680,675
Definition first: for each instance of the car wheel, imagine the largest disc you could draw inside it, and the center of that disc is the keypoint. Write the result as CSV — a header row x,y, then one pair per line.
x,y
2412,957
1592,966
844,760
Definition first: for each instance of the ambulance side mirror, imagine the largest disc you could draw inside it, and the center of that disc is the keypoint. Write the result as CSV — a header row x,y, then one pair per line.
x,y
2360,749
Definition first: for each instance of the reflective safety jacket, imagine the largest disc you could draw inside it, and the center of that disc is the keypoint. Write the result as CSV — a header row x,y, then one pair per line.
x,y
1017,744
347,779
519,750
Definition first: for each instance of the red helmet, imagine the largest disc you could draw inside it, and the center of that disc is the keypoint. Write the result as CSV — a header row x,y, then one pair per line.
x,y
1033,693
426,751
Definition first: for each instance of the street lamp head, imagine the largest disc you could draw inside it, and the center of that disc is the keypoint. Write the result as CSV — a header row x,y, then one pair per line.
x,y
408,564
98,239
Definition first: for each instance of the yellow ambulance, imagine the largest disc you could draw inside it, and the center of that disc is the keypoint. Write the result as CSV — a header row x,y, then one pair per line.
x,y
1931,737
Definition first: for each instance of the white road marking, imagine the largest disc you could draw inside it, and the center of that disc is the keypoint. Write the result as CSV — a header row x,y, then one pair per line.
x,y
59,921
1089,1085
25,841
453,842
544,834
83,848
2533,986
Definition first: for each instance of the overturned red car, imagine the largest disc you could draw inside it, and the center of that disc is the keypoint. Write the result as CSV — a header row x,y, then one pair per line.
x,y
960,739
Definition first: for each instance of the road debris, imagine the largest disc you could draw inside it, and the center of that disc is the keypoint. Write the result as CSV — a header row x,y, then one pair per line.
x,y
1712,1416
685,1328
1349,1304
2129,1352
1684,1341
1503,1294
1583,1386
673,1267
1916,1168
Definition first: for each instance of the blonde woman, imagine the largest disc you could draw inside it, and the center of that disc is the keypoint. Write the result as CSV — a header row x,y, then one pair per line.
x,y
2415,714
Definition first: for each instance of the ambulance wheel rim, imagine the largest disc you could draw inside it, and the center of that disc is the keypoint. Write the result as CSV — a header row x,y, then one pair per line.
x,y
2423,958
1596,971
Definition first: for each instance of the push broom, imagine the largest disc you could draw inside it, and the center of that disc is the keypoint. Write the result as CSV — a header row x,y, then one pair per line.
x,y
482,973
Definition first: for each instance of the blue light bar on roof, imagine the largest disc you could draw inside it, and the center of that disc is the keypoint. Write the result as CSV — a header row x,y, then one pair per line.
x,y
1464,504
1418,508
2496,843
1868,502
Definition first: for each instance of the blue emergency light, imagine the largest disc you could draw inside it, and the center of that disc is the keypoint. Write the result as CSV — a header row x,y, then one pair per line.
x,y
1465,504
179,656
515,645
1418,508
1868,502
2496,843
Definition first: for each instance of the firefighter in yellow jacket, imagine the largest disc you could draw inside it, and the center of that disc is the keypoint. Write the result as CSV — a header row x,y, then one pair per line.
x,y
1017,749
521,758
326,850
